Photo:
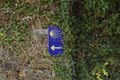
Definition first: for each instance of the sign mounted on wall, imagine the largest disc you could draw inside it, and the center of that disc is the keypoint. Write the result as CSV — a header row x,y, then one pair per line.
x,y
55,39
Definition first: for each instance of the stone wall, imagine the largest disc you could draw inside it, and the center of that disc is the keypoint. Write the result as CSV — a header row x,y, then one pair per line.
x,y
33,64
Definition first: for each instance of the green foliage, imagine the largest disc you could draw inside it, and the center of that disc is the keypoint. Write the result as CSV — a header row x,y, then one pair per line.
x,y
15,30
91,30
97,36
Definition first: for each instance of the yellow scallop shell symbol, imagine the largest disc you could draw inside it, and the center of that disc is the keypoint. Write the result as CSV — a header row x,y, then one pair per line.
x,y
52,33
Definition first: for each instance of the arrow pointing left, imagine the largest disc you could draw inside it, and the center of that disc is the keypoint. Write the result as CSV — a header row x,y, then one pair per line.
x,y
53,47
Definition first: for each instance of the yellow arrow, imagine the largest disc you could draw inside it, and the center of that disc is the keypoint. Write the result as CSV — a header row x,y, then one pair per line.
x,y
53,47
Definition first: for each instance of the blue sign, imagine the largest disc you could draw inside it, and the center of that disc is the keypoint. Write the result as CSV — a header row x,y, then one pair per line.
x,y
55,45
55,48
54,33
